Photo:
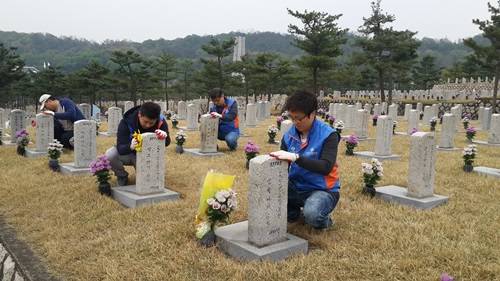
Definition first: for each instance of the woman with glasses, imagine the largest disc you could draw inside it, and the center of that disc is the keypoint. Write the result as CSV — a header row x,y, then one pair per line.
x,y
310,146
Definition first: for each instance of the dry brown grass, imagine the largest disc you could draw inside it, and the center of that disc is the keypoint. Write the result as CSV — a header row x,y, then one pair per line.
x,y
84,236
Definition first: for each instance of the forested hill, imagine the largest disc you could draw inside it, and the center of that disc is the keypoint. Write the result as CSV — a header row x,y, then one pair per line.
x,y
71,53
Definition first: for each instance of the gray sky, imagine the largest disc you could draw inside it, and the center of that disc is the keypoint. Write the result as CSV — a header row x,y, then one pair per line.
x,y
152,19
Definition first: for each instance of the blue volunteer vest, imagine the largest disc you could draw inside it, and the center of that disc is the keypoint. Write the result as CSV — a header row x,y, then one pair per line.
x,y
301,178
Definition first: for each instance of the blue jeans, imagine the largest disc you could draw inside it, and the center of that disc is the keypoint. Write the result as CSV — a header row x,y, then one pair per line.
x,y
231,139
317,204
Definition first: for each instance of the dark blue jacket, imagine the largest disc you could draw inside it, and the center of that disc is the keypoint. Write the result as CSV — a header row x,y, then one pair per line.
x,y
71,111
130,124
229,122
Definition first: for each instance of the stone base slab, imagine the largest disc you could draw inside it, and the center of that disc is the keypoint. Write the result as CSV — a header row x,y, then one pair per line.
x,y
447,148
233,240
489,172
126,196
106,134
35,154
359,139
70,169
196,152
399,195
371,154
486,143
187,130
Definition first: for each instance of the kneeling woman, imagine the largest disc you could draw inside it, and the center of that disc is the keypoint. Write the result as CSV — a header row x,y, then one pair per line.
x,y
311,148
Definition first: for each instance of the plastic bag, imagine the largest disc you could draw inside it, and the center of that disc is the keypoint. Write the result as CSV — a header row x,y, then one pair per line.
x,y
213,183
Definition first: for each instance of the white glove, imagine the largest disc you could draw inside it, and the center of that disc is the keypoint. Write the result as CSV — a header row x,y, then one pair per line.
x,y
160,134
215,114
284,155
133,144
48,112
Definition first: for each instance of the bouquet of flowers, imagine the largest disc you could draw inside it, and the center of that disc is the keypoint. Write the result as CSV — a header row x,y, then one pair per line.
x,y
321,112
446,277
100,168
413,131
350,143
466,121
251,150
22,140
279,119
285,115
272,131
331,120
339,126
433,123
217,202
374,119
54,150
174,121
138,137
180,139
470,133
372,172
469,154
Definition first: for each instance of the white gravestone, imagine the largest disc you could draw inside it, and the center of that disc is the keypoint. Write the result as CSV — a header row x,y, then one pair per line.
x,y
209,128
264,236
127,106
448,132
86,110
421,174
181,110
251,115
85,148
383,142
150,176
413,119
361,120
114,117
17,123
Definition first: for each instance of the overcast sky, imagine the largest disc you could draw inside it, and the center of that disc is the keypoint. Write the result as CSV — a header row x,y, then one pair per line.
x,y
152,19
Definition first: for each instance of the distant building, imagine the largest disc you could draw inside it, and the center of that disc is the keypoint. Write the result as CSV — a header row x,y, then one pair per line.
x,y
239,48
30,70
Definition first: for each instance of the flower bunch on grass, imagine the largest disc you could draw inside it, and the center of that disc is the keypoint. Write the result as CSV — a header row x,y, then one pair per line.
x,y
372,172
351,143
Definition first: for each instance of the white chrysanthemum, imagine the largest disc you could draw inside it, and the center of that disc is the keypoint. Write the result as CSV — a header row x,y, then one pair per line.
x,y
216,205
210,201
219,196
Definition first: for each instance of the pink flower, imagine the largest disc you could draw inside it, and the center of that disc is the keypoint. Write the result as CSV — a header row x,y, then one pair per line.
x,y
251,147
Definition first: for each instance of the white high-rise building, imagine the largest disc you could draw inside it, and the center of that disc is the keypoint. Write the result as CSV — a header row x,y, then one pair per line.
x,y
239,48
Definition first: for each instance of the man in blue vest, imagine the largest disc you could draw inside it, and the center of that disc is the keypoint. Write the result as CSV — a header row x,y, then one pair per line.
x,y
310,146
227,111
140,119
65,113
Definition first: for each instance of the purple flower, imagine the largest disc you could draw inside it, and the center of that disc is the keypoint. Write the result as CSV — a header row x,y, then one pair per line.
x,y
100,164
352,139
471,130
413,131
251,147
446,277
375,117
21,133
279,119
331,118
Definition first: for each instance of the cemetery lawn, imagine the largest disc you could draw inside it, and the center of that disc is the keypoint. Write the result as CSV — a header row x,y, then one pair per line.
x,y
81,235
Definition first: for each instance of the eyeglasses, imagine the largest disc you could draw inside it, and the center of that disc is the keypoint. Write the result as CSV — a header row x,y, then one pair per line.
x,y
296,119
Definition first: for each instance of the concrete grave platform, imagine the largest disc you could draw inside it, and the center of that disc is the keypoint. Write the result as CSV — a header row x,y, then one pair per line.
x,y
399,195
359,139
196,152
371,154
489,172
126,196
105,134
35,154
233,240
485,143
70,169
187,130
447,149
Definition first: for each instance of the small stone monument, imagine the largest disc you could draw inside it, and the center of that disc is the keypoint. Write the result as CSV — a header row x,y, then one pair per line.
x,y
264,236
192,118
86,110
383,142
127,106
84,148
446,142
150,176
209,128
421,173
251,115
17,123
115,115
44,135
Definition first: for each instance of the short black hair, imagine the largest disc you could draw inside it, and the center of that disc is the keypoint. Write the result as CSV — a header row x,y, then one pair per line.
x,y
215,93
52,98
151,110
302,101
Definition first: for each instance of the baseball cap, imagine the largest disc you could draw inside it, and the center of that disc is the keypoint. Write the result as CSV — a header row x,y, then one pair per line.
x,y
42,100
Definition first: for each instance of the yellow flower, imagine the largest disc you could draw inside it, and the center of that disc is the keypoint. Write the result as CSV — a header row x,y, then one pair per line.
x,y
138,137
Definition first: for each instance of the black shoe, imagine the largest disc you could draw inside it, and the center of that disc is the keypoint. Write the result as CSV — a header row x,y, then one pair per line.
x,y
122,181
